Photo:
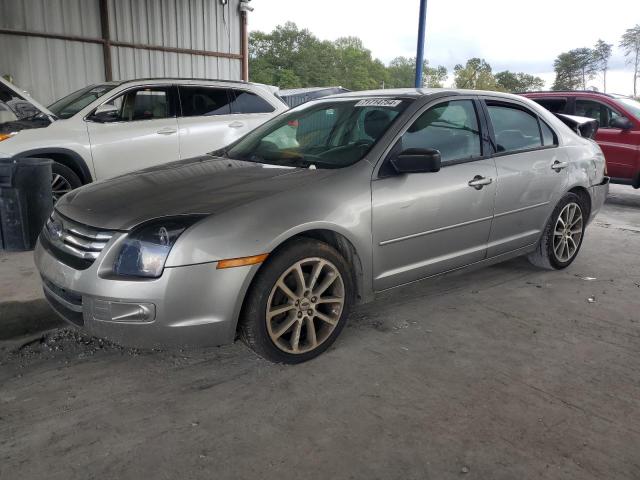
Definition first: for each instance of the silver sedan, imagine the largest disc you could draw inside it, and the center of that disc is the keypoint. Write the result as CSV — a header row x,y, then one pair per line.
x,y
276,236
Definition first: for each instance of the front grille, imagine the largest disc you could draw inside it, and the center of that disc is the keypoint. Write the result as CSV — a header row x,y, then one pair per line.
x,y
72,243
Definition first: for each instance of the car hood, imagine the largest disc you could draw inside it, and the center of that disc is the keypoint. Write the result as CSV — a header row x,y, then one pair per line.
x,y
11,90
202,185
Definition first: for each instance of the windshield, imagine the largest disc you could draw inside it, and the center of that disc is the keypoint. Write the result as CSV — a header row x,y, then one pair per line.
x,y
325,134
631,105
68,106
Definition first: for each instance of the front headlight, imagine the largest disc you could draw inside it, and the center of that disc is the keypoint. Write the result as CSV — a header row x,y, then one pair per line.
x,y
145,250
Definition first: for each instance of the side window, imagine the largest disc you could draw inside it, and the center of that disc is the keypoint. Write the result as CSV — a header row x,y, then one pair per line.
x,y
144,104
514,128
450,127
548,136
554,105
204,101
595,110
247,102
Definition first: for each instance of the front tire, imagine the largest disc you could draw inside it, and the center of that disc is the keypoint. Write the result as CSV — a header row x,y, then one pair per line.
x,y
563,235
298,303
63,180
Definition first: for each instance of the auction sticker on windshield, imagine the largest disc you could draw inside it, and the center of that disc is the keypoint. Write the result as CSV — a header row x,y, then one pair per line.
x,y
378,102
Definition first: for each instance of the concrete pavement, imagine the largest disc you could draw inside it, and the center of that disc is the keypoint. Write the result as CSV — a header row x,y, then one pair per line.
x,y
502,373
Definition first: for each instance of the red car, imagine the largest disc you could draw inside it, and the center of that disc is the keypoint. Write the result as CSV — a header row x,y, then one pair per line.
x,y
619,126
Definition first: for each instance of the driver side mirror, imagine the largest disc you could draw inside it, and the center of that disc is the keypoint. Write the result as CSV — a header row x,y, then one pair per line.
x,y
622,123
417,160
105,113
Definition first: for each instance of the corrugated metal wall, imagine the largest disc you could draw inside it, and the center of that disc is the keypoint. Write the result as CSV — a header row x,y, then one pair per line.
x,y
52,68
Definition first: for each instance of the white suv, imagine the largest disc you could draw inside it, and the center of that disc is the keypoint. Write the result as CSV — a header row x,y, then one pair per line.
x,y
113,128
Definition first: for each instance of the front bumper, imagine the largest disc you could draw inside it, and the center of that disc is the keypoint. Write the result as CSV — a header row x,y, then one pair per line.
x,y
598,196
194,305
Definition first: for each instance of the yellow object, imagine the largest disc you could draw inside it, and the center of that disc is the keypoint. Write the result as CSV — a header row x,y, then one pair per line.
x,y
242,261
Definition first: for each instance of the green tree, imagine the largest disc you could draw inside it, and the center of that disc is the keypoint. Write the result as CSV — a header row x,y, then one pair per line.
x,y
630,44
568,72
475,74
436,76
574,68
601,56
518,82
293,57
356,69
586,63
401,72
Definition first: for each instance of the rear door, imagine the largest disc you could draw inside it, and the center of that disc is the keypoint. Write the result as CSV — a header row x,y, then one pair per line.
x,y
428,223
143,134
249,110
616,144
532,173
205,119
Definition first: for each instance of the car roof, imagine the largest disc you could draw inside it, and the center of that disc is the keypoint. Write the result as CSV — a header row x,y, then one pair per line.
x,y
577,93
185,79
421,92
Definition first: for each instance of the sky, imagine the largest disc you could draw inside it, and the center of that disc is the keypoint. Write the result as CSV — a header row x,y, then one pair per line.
x,y
514,35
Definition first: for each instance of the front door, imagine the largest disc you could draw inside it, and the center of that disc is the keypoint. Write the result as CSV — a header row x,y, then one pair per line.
x,y
428,223
532,175
143,133
616,144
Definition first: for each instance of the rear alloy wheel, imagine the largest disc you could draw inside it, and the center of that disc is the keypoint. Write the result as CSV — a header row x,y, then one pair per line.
x,y
298,303
562,237
567,233
63,180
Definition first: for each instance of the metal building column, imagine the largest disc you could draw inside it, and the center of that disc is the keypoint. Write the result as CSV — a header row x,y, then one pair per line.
x,y
420,50
106,37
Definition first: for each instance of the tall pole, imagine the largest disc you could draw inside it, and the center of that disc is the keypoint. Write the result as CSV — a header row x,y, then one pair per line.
x,y
420,53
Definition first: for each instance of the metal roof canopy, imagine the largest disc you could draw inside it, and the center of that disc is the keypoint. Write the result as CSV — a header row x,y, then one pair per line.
x,y
190,29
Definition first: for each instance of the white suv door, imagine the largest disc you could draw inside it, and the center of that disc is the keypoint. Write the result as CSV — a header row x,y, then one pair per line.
x,y
249,110
212,117
204,123
143,132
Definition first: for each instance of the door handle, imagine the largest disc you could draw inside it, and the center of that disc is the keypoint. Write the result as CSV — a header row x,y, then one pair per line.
x,y
166,131
236,124
557,166
479,181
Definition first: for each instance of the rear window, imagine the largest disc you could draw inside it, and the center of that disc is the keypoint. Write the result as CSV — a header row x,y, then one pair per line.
x,y
514,128
554,105
204,101
548,136
247,102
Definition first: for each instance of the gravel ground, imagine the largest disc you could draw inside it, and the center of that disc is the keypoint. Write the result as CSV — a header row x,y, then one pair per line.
x,y
502,373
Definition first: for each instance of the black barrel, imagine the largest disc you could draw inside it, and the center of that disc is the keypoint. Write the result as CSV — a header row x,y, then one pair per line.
x,y
26,201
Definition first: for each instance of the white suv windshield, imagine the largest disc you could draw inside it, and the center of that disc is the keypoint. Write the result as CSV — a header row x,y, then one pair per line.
x,y
326,134
68,106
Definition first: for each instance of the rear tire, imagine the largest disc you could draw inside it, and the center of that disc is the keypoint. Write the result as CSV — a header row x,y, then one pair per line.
x,y
298,303
63,180
562,236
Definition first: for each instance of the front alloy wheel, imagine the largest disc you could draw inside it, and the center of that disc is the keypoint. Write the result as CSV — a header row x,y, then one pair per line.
x,y
59,186
63,180
305,305
298,302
